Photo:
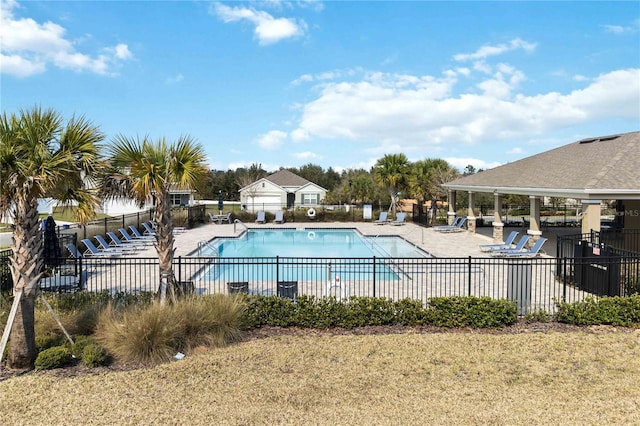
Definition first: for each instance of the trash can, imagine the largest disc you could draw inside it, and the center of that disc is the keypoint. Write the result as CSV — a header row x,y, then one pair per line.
x,y
519,285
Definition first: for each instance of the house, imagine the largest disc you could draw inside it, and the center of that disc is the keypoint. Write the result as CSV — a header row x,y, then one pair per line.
x,y
281,190
591,170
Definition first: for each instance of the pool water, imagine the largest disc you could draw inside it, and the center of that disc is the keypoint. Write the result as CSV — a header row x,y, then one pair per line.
x,y
315,243
300,255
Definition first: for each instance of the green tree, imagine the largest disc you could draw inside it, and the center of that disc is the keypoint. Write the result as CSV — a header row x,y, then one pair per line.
x,y
392,171
427,177
143,170
40,156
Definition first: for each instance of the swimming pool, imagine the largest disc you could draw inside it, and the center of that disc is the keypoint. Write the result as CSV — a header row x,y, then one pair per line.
x,y
312,243
305,254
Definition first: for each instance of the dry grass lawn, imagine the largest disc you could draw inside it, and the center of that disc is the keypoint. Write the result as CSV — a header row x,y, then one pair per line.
x,y
466,378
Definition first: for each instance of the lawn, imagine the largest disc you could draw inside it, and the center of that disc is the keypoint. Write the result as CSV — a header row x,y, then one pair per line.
x,y
458,378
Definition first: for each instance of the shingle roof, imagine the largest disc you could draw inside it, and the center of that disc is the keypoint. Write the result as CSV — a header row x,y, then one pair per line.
x,y
601,167
286,178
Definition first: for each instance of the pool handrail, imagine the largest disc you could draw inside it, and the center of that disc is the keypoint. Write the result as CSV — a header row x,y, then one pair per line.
x,y
238,221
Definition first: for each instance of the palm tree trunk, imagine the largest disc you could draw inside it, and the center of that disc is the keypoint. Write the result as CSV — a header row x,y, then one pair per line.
x,y
25,269
164,247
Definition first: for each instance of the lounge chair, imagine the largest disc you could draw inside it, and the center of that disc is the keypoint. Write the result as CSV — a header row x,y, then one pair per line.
x,y
279,217
148,229
508,243
399,219
117,241
129,239
92,250
382,219
519,247
533,252
61,283
454,228
136,235
453,224
261,217
104,245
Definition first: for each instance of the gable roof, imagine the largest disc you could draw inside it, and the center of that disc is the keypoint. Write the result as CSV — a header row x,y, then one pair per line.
x,y
605,167
286,178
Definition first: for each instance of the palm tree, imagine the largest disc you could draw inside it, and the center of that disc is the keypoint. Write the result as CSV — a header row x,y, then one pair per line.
x,y
391,171
427,178
143,170
41,157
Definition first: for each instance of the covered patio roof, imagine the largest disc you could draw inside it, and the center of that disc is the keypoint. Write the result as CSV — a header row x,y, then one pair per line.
x,y
605,167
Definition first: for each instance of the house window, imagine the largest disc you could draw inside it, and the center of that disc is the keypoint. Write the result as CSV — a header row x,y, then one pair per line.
x,y
176,199
309,198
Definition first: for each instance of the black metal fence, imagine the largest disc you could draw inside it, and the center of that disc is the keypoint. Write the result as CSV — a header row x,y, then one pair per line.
x,y
536,283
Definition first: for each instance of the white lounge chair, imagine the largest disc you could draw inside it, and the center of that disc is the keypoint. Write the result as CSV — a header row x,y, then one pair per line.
x,y
382,219
279,217
92,250
519,247
399,219
104,245
454,228
453,224
261,217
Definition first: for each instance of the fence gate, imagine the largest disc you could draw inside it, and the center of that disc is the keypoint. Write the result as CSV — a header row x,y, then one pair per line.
x,y
597,269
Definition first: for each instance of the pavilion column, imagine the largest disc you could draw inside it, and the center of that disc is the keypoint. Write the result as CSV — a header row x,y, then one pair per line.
x,y
471,217
498,225
534,218
451,213
590,216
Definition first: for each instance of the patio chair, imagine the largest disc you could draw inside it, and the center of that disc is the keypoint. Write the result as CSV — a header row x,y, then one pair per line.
x,y
382,219
457,228
508,243
212,218
287,289
519,247
92,250
60,283
261,217
238,287
225,218
117,241
533,252
399,219
279,217
104,245
454,223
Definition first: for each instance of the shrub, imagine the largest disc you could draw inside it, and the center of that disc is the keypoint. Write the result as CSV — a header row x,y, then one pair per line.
x,y
621,311
476,312
410,312
368,311
48,340
94,355
539,315
55,357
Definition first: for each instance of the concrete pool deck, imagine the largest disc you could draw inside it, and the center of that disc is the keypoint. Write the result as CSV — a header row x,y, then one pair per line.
x,y
439,244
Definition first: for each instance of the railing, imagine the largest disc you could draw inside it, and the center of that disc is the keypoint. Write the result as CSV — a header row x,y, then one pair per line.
x,y
537,283
241,223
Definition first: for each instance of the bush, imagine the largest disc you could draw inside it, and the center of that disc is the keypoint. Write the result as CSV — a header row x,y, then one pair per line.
x,y
410,312
621,311
476,312
48,340
55,357
539,315
94,355
369,311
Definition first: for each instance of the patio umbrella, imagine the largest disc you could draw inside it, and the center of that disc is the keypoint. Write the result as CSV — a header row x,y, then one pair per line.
x,y
51,252
220,202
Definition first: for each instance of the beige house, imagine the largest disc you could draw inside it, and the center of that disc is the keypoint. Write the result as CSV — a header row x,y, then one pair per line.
x,y
281,190
591,170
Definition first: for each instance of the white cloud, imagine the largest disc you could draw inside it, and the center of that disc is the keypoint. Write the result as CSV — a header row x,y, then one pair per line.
x,y
515,151
487,51
272,139
174,79
307,155
28,47
421,114
461,162
268,29
621,29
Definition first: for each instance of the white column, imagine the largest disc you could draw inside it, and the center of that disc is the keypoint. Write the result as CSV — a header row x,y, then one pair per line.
x,y
471,217
451,213
498,225
590,215
534,218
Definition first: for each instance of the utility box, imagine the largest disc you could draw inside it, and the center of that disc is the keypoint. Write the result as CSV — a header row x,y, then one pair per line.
x,y
519,285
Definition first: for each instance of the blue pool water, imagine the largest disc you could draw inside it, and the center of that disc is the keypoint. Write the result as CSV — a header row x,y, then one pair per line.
x,y
316,243
326,253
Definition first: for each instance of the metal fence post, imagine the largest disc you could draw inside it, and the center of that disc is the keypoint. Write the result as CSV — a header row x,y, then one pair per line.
x,y
277,269
179,269
469,274
374,276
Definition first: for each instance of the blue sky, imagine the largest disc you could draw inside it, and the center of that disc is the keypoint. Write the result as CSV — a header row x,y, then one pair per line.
x,y
339,84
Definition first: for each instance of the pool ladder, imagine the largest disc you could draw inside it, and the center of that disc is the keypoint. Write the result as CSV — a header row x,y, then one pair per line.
x,y
239,222
207,244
